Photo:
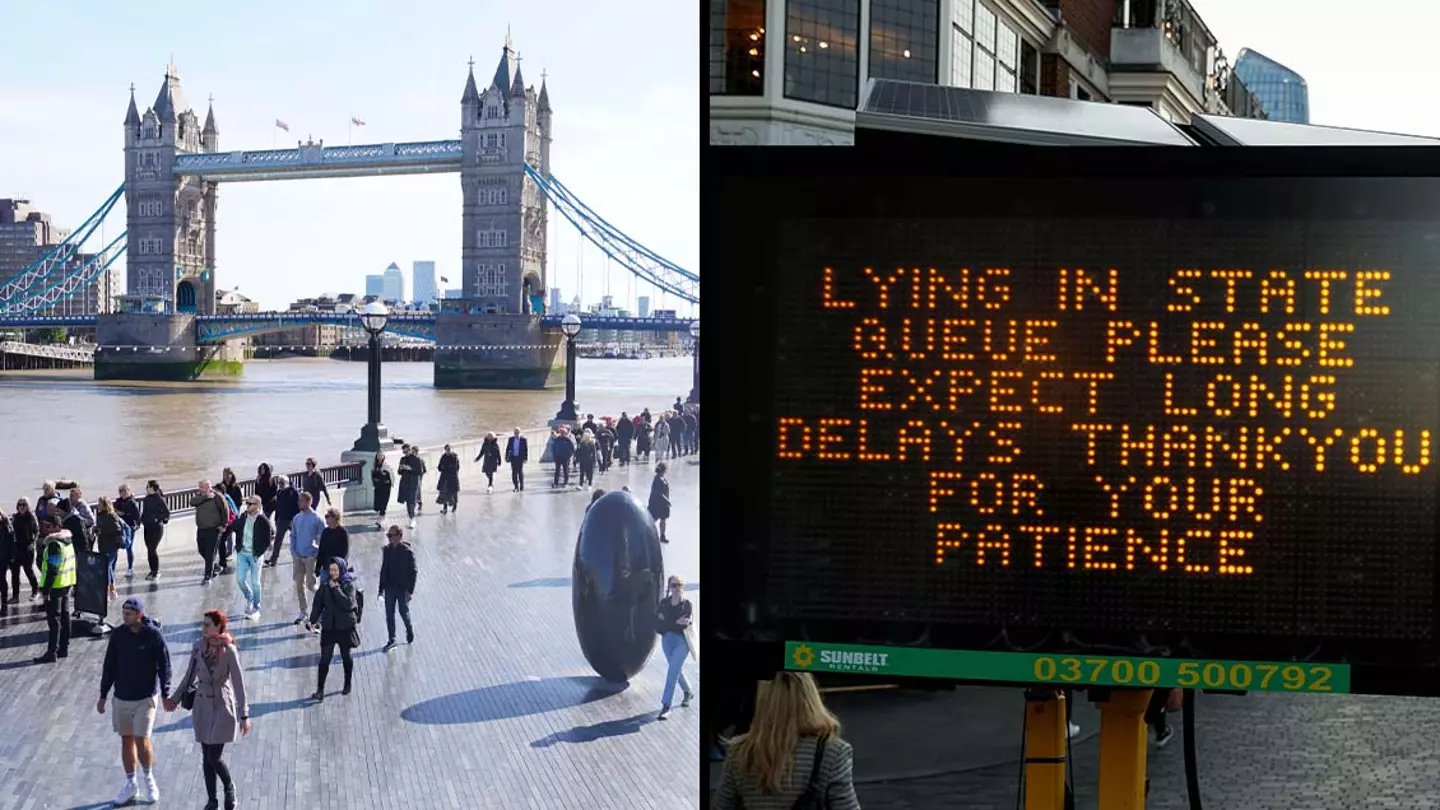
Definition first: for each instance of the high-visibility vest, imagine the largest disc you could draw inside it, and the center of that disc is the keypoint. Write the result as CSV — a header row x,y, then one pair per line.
x,y
65,574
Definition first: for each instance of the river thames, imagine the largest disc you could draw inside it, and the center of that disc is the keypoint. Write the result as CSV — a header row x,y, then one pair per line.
x,y
63,424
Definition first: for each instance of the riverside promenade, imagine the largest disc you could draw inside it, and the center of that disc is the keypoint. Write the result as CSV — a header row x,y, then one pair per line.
x,y
492,706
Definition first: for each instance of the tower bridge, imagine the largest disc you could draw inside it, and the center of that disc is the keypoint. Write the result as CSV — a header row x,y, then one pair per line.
x,y
497,336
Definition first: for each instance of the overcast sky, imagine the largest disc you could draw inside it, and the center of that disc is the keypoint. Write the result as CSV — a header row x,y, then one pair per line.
x,y
1368,66
622,80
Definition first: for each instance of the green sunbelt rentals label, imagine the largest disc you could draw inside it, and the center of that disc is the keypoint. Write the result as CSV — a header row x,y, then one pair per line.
x,y
1069,670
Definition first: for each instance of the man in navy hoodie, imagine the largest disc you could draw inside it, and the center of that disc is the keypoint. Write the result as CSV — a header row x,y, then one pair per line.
x,y
137,664
287,506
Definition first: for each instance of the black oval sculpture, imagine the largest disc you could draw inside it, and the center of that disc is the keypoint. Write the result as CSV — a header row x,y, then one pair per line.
x,y
618,579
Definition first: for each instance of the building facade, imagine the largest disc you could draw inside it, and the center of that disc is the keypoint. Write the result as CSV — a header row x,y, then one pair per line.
x,y
792,72
26,236
393,288
1282,92
422,282
375,286
643,305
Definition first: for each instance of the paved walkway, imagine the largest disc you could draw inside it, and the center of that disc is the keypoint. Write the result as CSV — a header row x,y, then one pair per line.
x,y
493,706
961,750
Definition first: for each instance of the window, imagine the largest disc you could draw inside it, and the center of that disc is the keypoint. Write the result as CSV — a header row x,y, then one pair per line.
x,y
491,239
737,47
489,140
905,40
822,55
1029,69
960,59
1007,52
151,208
490,280
493,196
151,246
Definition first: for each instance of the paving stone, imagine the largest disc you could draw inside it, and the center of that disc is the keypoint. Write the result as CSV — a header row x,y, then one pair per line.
x,y
493,706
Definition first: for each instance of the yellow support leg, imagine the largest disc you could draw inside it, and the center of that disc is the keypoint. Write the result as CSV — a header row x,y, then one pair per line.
x,y
1122,749
1046,731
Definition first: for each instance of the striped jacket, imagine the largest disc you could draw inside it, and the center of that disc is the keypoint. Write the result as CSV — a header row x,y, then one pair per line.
x,y
738,791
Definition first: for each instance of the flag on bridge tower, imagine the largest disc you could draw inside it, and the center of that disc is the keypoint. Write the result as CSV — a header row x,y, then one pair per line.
x,y
356,121
282,125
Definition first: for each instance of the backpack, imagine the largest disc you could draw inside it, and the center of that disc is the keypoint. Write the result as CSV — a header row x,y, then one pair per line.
x,y
127,536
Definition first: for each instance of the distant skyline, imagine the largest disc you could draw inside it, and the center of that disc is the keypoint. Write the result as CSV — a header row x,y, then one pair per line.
x,y
621,80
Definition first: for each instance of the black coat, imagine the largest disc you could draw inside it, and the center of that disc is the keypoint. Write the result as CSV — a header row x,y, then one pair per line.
x,y
606,438
154,512
562,449
410,468
490,455
585,454
660,498
107,532
287,503
590,426
334,610
129,510
517,448
25,530
449,467
260,536
397,569
314,483
334,542
382,480
625,431
642,440
8,549
266,488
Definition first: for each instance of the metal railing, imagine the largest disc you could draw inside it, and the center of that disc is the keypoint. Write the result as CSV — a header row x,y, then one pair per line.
x,y
337,475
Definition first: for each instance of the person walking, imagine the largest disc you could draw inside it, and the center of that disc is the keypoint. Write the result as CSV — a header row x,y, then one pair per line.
x,y
47,501
129,511
334,542
266,486
410,469
672,623
661,442
676,425
489,458
586,455
660,499
624,433
7,553
110,538
25,529
137,665
382,481
606,440
692,429
643,433
517,452
57,582
287,506
221,711
79,519
154,517
212,515
334,612
305,531
397,583
313,482
448,487
562,450
226,546
253,532
793,742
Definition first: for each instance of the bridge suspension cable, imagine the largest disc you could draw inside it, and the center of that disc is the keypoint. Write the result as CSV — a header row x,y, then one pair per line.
x,y
73,283
639,260
20,287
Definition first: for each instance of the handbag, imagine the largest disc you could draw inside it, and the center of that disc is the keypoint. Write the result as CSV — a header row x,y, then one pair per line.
x,y
187,700
813,797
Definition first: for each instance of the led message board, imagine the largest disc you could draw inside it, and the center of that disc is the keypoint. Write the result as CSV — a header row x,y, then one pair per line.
x,y
1204,426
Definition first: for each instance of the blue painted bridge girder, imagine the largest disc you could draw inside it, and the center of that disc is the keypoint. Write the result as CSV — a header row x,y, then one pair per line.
x,y
316,160
421,325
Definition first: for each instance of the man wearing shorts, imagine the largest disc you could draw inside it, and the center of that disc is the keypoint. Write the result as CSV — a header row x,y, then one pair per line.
x,y
137,664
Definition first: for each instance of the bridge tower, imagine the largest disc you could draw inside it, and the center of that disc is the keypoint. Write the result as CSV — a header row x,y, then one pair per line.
x,y
170,250
491,337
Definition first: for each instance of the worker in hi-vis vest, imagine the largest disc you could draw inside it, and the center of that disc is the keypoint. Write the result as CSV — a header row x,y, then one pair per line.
x,y
57,582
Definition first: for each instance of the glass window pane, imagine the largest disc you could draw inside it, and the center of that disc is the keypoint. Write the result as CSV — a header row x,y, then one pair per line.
x,y
822,55
1029,69
984,71
904,40
960,58
1006,45
1005,80
964,17
737,47
985,28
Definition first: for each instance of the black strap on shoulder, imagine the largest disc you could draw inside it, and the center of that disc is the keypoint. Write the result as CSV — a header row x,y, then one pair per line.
x,y
813,794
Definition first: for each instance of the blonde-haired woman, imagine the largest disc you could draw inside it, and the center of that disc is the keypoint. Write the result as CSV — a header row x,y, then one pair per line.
x,y
661,442
793,745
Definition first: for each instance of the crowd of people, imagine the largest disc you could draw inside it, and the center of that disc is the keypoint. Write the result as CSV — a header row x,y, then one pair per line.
x,y
40,543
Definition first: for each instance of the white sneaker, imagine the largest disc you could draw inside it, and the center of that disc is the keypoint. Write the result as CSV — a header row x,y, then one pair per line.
x,y
412,523
379,524
151,791
1074,729
126,794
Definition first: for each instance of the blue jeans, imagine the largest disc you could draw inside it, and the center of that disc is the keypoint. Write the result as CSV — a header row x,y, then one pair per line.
x,y
247,573
111,558
673,644
394,599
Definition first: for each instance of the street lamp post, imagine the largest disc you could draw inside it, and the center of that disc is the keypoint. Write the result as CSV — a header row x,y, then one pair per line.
x,y
374,318
570,325
695,363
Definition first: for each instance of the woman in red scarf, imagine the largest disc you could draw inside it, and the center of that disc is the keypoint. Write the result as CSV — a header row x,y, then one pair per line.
x,y
220,709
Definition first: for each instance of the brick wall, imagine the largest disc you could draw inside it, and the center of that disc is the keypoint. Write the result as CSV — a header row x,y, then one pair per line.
x,y
1054,76
1089,22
